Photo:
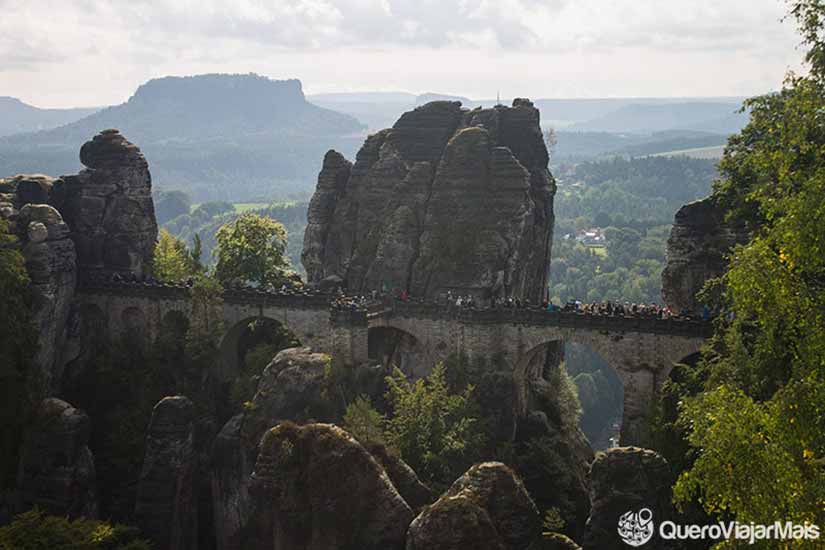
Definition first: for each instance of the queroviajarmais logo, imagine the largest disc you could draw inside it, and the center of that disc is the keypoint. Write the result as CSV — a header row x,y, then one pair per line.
x,y
636,528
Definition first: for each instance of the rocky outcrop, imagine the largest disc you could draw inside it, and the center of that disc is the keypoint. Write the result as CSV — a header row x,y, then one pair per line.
x,y
697,248
555,541
109,207
626,480
315,488
446,199
290,388
488,508
404,478
57,469
233,459
165,508
25,189
50,262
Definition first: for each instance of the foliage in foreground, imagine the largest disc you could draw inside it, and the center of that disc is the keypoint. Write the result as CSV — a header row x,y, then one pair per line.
x,y
439,434
18,340
759,422
34,530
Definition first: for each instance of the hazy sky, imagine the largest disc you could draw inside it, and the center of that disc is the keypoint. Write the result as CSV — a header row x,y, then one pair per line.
x,y
94,52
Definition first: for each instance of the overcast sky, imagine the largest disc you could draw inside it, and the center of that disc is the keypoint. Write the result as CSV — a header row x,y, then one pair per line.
x,y
95,52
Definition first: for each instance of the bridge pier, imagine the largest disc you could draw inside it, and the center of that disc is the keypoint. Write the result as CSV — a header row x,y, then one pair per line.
x,y
350,337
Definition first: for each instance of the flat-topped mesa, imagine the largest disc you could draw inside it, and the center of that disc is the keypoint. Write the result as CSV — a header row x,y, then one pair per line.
x,y
447,199
109,207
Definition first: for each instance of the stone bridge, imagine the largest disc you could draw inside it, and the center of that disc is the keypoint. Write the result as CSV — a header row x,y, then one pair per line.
x,y
642,351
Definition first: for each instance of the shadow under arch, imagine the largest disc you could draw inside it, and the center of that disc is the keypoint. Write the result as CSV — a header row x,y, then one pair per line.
x,y
243,336
171,337
599,385
133,325
394,346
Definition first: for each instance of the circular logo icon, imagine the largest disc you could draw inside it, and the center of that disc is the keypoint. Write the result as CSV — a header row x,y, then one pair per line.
x,y
636,528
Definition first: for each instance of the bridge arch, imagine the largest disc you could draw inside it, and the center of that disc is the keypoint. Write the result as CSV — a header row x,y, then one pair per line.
x,y
395,346
235,342
642,362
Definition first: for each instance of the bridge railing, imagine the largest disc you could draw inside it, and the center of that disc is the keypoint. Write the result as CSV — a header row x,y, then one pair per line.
x,y
234,295
540,317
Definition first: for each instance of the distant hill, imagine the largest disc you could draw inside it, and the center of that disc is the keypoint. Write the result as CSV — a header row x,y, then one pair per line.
x,y
578,146
381,109
238,137
430,96
646,118
18,117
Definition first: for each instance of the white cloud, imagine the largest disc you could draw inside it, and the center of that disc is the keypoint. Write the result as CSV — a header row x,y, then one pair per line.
x,y
97,51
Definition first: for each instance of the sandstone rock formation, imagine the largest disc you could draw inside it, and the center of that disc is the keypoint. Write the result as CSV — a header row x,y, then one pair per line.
x,y
446,199
555,541
165,509
50,262
290,389
315,488
487,508
27,189
109,207
696,251
626,479
57,469
404,478
233,459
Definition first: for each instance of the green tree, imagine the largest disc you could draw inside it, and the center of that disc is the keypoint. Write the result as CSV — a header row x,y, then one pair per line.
x,y
759,423
252,249
172,260
37,531
203,338
364,422
438,434
18,341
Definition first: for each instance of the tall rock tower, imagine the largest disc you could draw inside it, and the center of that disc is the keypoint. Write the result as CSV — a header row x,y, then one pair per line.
x,y
109,207
447,199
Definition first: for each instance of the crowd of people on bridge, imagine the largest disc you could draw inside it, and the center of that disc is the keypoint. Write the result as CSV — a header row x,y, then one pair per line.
x,y
606,308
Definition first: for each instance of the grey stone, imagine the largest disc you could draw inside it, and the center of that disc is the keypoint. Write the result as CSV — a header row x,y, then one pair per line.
x,y
165,507
699,242
626,479
316,488
109,207
447,199
57,469
488,507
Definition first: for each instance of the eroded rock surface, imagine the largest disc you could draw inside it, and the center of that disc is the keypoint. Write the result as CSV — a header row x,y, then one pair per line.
x,y
109,207
290,389
488,508
165,509
626,479
57,469
404,478
315,488
446,199
696,251
50,262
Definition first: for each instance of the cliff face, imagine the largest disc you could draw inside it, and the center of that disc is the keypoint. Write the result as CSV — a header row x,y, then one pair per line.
x,y
446,199
696,251
109,207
